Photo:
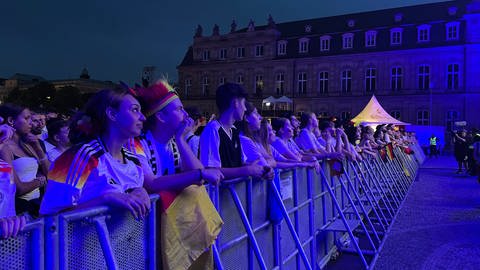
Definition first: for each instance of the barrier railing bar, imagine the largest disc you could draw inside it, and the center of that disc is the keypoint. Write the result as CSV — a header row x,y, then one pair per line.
x,y
103,237
311,210
250,221
344,220
289,224
369,193
216,258
247,226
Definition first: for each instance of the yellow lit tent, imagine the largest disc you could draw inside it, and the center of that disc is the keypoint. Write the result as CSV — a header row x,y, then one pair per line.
x,y
374,114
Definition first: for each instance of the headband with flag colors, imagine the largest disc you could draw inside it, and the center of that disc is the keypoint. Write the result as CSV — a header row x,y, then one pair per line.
x,y
157,96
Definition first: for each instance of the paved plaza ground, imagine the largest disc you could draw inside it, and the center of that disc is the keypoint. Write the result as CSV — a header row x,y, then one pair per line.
x,y
438,225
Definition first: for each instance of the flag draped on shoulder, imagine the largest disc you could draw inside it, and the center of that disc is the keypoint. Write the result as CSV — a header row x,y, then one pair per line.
x,y
75,165
189,221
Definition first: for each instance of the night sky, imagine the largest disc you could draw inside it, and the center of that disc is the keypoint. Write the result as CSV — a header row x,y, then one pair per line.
x,y
115,39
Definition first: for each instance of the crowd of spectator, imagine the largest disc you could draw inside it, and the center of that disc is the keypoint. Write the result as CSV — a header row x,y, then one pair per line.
x,y
128,143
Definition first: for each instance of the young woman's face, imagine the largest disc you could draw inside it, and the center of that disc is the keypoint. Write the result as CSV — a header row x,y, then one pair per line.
x,y
294,122
129,117
271,133
313,120
23,123
254,120
286,131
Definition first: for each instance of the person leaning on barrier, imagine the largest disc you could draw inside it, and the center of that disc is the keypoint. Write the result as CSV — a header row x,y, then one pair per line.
x,y
285,143
220,143
267,134
307,141
10,224
24,152
100,171
189,223
255,139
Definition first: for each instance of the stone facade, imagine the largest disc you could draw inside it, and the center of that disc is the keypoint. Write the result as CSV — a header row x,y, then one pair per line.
x,y
421,62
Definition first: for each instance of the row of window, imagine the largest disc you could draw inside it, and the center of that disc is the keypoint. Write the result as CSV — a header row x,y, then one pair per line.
x,y
396,80
423,36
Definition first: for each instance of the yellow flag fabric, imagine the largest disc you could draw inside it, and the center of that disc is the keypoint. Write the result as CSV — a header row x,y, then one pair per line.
x,y
189,226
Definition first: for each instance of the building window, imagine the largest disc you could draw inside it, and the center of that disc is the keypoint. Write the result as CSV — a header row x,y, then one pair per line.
x,y
346,81
280,83
396,36
282,47
240,79
303,45
325,43
424,77
397,78
240,52
370,38
221,81
188,86
451,118
423,33
452,29
258,85
452,76
223,54
395,114
347,41
323,82
345,115
205,90
423,118
259,50
206,55
302,82
370,79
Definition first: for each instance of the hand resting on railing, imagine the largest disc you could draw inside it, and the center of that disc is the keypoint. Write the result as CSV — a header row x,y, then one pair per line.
x,y
11,226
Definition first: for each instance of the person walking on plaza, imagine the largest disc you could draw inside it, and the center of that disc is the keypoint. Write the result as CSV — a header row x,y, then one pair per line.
x,y
460,149
433,146
476,154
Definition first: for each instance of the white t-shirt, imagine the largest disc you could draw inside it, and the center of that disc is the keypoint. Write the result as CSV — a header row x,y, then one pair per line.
x,y
86,173
253,151
210,145
307,141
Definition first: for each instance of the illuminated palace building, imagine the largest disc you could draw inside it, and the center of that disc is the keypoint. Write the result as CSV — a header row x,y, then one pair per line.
x,y
421,62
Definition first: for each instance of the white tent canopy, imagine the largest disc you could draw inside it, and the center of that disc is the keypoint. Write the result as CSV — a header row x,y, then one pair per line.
x,y
284,99
281,103
374,114
270,100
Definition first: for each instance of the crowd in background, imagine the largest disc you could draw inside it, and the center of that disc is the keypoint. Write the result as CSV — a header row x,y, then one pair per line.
x,y
128,143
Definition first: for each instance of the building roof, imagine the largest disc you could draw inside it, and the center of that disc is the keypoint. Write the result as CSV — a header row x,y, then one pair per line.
x,y
27,77
380,20
370,20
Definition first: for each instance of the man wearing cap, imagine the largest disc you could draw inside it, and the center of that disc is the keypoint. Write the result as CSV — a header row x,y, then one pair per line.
x,y
179,178
220,142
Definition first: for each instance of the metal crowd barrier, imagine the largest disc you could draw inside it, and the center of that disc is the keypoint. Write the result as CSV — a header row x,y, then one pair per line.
x,y
26,251
321,214
300,220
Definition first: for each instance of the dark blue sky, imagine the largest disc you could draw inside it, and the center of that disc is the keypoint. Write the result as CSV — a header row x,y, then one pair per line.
x,y
115,39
